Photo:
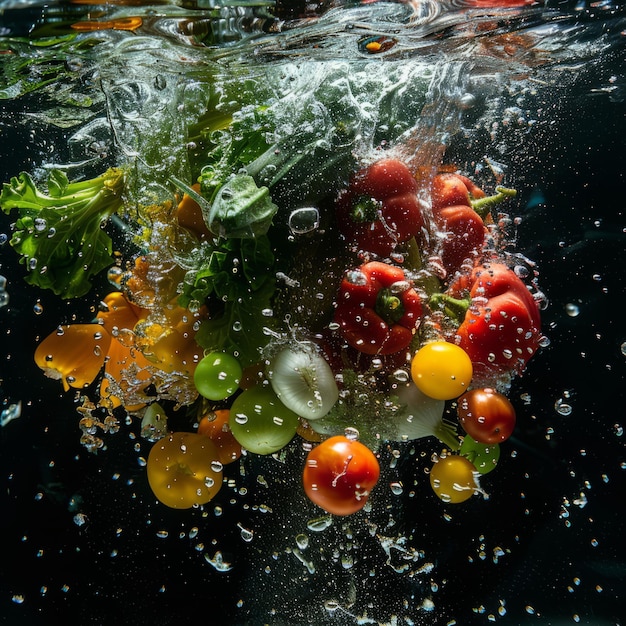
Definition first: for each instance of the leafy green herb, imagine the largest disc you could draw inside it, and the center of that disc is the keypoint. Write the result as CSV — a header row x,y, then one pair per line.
x,y
236,278
233,142
59,234
240,209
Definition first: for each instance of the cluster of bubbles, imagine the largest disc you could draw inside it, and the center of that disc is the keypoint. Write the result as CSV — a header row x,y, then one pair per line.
x,y
4,295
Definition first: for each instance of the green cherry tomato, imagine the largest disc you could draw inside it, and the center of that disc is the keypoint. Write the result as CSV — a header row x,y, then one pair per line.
x,y
484,456
441,370
260,422
217,376
452,479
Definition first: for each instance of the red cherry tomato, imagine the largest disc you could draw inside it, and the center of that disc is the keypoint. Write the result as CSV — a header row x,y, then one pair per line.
x,y
486,415
339,475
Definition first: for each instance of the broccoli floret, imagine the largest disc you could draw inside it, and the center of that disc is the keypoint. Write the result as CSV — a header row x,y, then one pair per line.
x,y
59,234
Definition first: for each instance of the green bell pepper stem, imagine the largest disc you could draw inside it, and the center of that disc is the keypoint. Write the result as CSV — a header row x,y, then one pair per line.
x,y
452,307
483,206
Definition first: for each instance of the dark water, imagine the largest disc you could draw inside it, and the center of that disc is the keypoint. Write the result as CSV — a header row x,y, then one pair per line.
x,y
536,93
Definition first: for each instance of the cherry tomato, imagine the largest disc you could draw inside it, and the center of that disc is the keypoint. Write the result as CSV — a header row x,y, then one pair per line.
x,y
486,415
217,376
215,427
484,456
184,470
260,422
441,370
339,475
452,479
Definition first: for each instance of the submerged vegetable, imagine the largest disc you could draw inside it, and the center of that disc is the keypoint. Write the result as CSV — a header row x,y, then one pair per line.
x,y
422,416
215,426
73,354
184,470
217,376
380,208
339,475
453,479
486,415
501,323
378,311
59,234
441,370
235,278
303,381
260,422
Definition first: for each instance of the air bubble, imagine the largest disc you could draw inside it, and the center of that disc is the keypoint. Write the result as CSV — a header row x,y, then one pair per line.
x,y
305,220
396,488
246,534
320,524
572,310
351,433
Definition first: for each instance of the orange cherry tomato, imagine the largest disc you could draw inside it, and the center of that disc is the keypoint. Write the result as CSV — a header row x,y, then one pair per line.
x,y
486,415
339,475
215,427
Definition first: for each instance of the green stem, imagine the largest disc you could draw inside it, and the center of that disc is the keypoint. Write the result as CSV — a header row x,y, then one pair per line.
x,y
452,307
389,306
447,434
364,209
483,206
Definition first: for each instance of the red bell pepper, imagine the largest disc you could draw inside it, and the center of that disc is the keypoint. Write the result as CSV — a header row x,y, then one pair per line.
x,y
380,208
378,312
500,327
464,235
459,207
450,189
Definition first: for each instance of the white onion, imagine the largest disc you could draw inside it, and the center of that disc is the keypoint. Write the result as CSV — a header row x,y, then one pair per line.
x,y
422,417
303,381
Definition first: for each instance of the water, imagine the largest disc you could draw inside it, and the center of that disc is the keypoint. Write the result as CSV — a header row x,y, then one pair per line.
x,y
531,96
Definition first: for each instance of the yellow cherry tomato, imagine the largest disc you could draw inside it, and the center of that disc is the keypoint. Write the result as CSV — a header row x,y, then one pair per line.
x,y
184,470
441,370
453,479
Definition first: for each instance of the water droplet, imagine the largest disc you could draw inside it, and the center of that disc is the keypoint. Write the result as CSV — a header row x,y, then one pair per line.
x,y
402,376
302,541
13,411
571,309
320,524
246,534
396,488
217,561
40,224
355,277
562,408
351,433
